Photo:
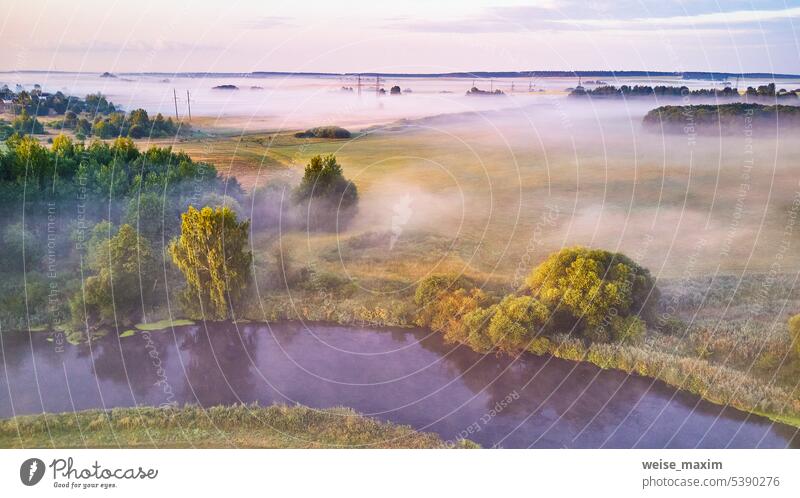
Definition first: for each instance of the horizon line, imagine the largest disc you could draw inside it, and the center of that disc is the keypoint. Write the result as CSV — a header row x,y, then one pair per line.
x,y
452,74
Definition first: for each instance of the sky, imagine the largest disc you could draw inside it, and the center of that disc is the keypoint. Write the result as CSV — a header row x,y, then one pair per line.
x,y
400,36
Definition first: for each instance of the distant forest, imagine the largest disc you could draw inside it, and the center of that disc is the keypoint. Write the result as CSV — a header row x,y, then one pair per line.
x,y
92,116
726,119
626,91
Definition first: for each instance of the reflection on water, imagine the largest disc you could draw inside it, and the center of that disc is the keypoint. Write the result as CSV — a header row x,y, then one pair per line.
x,y
401,375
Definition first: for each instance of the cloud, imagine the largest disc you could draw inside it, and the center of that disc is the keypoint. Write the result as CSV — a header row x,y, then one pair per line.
x,y
268,22
96,46
715,18
553,16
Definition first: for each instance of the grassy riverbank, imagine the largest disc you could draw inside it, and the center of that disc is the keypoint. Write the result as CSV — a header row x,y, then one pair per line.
x,y
237,426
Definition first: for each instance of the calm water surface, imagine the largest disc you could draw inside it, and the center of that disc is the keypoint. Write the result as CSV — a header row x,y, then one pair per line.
x,y
405,376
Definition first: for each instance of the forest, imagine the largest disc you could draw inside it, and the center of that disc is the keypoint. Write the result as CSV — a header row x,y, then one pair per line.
x,y
726,118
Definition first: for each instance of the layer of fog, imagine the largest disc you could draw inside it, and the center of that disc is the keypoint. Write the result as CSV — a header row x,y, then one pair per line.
x,y
281,102
512,186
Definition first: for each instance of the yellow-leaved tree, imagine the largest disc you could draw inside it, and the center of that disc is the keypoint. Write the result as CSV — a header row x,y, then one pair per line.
x,y
212,254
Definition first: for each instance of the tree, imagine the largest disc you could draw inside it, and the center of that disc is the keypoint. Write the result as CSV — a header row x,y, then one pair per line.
x,y
328,198
516,321
594,291
395,90
19,241
124,277
212,254
33,164
146,213
27,124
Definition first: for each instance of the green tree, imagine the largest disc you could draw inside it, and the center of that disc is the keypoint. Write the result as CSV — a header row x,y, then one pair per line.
x,y
326,196
32,164
146,212
124,275
27,124
18,240
592,289
212,254
516,321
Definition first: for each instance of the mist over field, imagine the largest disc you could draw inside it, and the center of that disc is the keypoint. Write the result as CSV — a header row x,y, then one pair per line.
x,y
720,203
520,220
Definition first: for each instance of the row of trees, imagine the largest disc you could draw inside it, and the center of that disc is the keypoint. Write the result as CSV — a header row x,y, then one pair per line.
x,y
211,254
627,91
108,206
594,294
136,124
38,103
138,227
768,91
726,118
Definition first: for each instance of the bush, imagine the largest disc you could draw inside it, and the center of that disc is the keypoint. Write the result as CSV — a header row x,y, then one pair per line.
x,y
431,287
26,124
592,288
515,322
324,132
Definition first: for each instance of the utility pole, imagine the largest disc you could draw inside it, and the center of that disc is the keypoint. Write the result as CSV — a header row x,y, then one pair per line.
x,y
175,97
189,105
377,84
359,85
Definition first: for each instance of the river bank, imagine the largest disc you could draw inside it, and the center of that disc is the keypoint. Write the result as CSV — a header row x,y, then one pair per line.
x,y
237,426
406,376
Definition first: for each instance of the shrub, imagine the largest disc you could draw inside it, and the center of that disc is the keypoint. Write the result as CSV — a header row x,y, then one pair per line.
x,y
516,321
27,124
324,132
592,287
430,287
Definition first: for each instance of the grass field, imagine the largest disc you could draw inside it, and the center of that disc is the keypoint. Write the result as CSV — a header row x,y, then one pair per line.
x,y
237,426
492,195
485,182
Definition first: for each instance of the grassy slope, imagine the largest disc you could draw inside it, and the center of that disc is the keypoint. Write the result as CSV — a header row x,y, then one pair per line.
x,y
238,426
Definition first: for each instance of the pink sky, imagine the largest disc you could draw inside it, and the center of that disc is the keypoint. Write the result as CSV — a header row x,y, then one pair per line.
x,y
409,36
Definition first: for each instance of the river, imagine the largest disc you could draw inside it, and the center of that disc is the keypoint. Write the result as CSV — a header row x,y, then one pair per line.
x,y
405,376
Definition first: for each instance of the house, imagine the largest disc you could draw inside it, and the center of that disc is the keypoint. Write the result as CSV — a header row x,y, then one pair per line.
x,y
6,105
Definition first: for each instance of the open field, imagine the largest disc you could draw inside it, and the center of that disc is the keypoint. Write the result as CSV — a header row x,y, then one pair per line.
x,y
502,188
216,427
491,195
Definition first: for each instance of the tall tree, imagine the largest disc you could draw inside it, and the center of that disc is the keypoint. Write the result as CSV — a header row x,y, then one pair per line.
x,y
212,254
124,269
327,197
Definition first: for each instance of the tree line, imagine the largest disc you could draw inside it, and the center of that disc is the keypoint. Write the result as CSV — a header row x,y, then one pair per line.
x,y
111,232
726,118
